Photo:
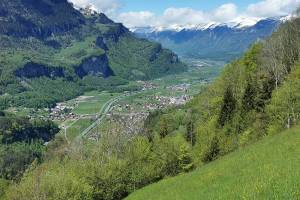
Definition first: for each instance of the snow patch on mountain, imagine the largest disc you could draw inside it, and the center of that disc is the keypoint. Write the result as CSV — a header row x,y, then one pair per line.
x,y
237,23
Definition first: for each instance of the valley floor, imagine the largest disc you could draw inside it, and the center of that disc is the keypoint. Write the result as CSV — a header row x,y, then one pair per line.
x,y
269,169
93,112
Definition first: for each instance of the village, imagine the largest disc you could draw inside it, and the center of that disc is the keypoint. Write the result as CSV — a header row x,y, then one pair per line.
x,y
145,104
127,110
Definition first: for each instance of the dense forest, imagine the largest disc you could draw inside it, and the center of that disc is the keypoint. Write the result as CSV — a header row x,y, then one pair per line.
x,y
255,96
22,143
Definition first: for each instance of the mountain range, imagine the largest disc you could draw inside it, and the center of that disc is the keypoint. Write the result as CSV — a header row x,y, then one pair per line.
x,y
216,41
51,42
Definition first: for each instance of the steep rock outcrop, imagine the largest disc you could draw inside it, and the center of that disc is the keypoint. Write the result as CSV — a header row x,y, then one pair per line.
x,y
100,18
116,31
42,18
35,70
96,65
155,52
100,42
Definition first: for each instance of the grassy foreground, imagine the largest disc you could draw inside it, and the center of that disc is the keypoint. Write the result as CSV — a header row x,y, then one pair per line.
x,y
269,169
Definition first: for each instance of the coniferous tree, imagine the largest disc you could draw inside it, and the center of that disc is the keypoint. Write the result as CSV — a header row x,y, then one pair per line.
x,y
248,101
190,133
228,107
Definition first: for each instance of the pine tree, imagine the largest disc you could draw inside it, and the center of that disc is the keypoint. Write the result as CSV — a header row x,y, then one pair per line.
x,y
228,107
190,133
248,101
213,151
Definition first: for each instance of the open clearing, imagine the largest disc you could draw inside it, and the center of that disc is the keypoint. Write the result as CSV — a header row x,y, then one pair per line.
x,y
93,104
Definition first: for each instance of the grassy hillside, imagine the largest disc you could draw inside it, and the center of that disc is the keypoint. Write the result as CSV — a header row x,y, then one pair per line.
x,y
268,169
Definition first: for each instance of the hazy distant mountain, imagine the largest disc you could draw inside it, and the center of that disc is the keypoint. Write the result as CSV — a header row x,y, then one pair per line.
x,y
212,41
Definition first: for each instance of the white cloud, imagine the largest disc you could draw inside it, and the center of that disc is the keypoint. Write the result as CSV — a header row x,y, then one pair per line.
x,y
179,16
182,16
225,13
133,19
106,6
269,8
188,16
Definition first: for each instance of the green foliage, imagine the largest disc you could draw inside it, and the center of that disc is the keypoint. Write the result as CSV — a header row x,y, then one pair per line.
x,y
103,173
22,142
268,169
284,107
185,159
213,150
3,187
16,129
143,59
190,130
17,157
228,107
58,185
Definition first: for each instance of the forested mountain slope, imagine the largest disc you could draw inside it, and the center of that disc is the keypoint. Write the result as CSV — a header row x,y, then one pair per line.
x,y
50,42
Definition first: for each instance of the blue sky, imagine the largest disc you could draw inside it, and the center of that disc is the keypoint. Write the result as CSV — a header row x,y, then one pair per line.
x,y
174,13
158,6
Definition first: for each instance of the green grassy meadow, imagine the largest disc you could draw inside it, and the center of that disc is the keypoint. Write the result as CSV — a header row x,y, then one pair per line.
x,y
78,127
93,104
269,169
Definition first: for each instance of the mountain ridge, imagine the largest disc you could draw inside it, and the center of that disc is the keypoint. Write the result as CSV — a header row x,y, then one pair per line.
x,y
225,42
238,23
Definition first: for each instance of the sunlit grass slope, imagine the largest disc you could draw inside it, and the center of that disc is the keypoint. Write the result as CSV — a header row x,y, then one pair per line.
x,y
269,169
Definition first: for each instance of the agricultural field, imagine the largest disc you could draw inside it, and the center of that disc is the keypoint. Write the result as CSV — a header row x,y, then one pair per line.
x,y
76,128
92,102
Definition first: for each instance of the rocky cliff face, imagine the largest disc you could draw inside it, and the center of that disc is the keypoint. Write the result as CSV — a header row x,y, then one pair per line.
x,y
102,43
115,33
97,65
35,70
38,18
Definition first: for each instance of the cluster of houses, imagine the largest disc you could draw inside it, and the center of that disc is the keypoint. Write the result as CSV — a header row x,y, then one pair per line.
x,y
157,102
179,100
62,112
164,101
181,87
147,85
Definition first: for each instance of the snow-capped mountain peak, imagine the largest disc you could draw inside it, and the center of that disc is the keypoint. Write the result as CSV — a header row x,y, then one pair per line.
x,y
220,41
241,22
